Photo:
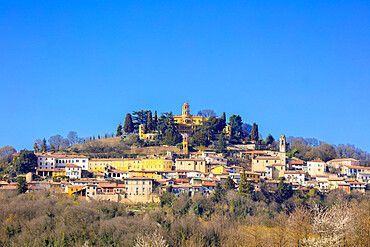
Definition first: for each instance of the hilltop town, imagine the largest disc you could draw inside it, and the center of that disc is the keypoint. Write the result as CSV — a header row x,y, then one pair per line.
x,y
205,152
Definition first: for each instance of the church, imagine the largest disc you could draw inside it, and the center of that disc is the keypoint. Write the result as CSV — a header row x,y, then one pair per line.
x,y
186,123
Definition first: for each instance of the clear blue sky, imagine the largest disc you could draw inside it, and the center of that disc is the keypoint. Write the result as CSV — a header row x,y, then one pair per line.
x,y
297,68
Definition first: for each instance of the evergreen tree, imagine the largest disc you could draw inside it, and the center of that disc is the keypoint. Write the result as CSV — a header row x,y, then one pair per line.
x,y
245,187
22,185
35,147
221,143
25,162
236,124
200,138
155,120
269,139
284,191
229,184
44,147
223,121
119,130
128,127
172,137
254,132
149,124
217,193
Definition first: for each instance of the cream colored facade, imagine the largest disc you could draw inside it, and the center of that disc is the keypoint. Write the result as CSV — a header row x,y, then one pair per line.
x,y
339,163
186,123
259,163
192,165
316,167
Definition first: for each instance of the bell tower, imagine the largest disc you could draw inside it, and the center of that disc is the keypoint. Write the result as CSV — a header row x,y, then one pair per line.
x,y
185,110
282,146
185,144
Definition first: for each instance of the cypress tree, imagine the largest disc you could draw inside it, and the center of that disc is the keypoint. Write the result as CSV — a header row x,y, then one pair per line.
x,y
149,124
119,130
254,132
43,145
229,183
128,127
221,143
223,121
155,120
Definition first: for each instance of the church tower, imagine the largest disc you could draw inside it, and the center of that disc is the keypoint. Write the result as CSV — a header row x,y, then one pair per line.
x,y
282,146
185,110
185,144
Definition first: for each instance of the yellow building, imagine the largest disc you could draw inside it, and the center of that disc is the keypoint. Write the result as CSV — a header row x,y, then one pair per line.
x,y
192,165
59,172
146,136
147,174
218,170
100,164
71,189
186,123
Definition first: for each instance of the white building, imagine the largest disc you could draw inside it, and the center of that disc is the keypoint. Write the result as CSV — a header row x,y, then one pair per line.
x,y
56,160
297,176
350,171
73,171
363,176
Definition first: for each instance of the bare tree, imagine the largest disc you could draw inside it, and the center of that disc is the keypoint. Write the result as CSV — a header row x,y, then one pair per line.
x,y
207,113
56,141
72,138
153,239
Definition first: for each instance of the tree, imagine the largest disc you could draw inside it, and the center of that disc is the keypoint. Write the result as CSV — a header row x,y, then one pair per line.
x,y
22,185
246,128
254,132
6,153
172,137
284,191
72,138
269,140
200,138
149,125
56,141
217,193
221,143
207,113
155,120
223,121
229,184
139,117
327,152
236,127
25,162
64,143
44,146
246,188
119,130
128,127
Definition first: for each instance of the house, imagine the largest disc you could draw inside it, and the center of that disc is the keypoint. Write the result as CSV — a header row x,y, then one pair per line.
x,y
115,174
139,189
298,164
218,170
350,171
339,163
363,176
334,182
57,160
297,176
316,167
208,188
193,164
260,162
357,186
73,171
275,171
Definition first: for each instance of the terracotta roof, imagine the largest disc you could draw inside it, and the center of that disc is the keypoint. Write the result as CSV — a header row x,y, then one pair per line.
x,y
345,159
297,162
192,159
72,165
8,187
316,161
138,178
209,184
267,158
294,172
357,167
